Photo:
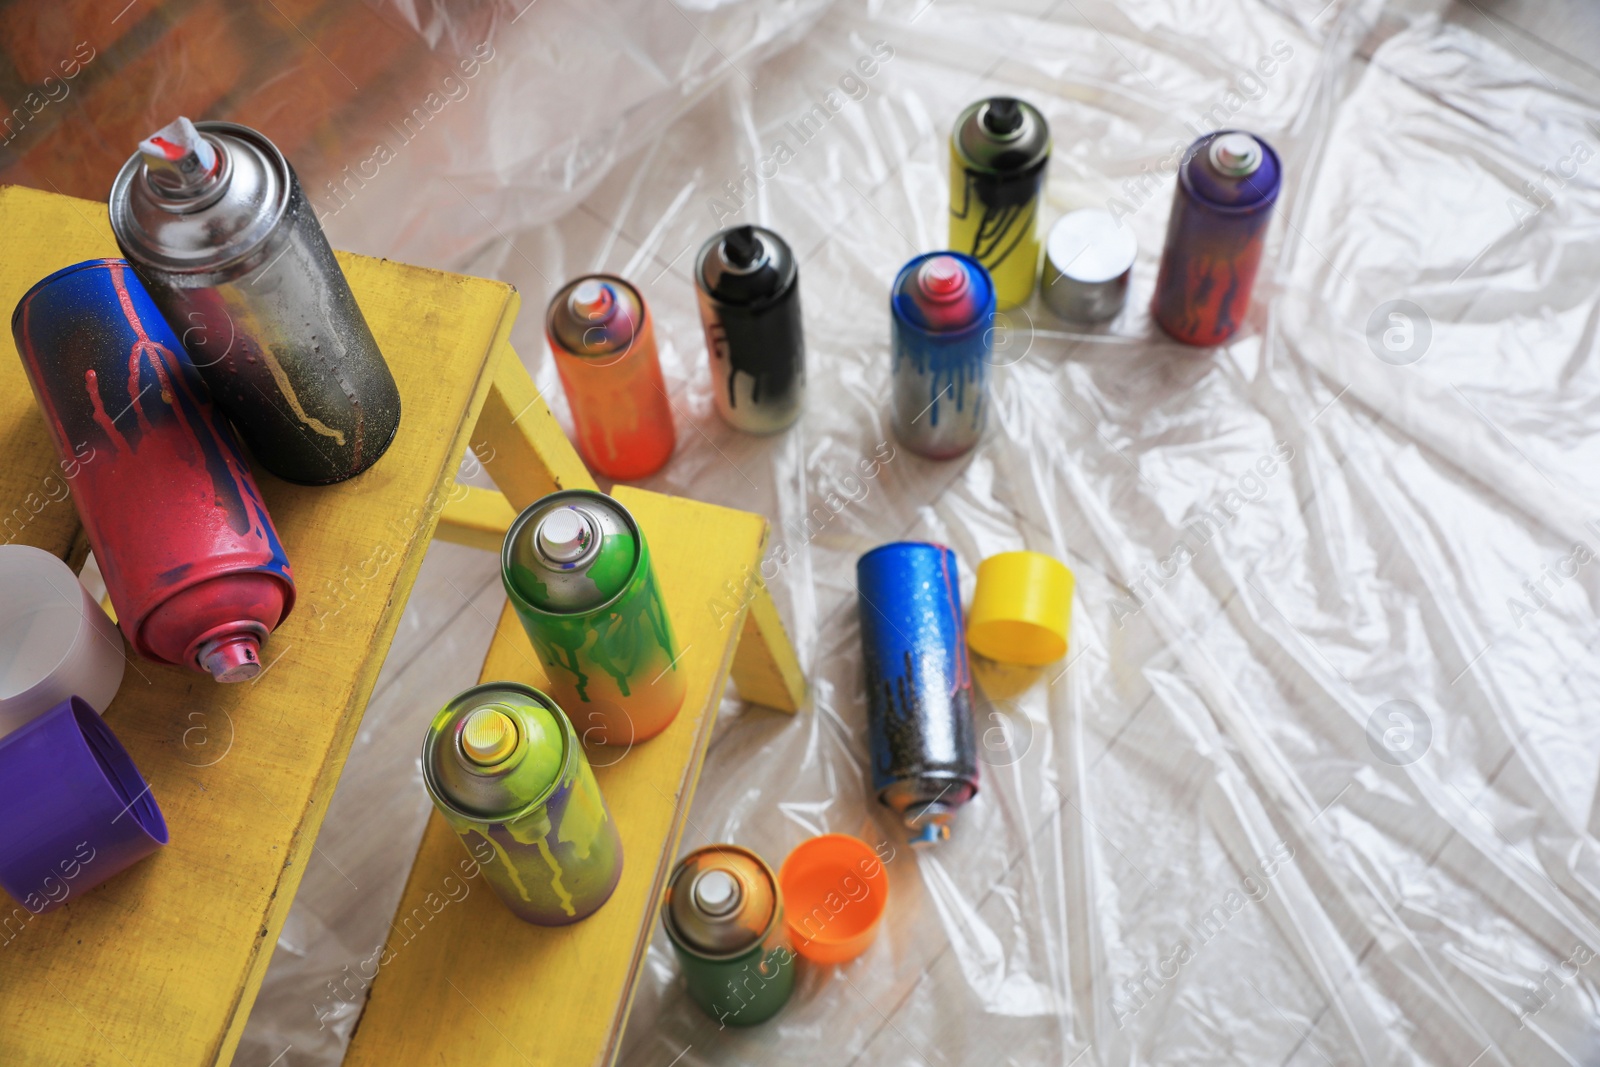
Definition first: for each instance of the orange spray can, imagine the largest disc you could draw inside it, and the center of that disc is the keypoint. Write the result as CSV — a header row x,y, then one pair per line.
x,y
604,344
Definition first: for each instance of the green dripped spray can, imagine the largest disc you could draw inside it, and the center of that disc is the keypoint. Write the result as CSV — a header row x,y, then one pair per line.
x,y
577,570
505,768
724,915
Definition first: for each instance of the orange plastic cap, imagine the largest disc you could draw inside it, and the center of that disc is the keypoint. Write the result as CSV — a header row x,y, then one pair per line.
x,y
1022,609
834,893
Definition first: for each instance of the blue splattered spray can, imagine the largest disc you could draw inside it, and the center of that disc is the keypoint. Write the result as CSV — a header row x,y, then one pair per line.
x,y
941,332
919,686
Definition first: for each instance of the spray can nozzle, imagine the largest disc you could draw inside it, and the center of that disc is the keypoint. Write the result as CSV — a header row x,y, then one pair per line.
x,y
741,248
178,160
1003,116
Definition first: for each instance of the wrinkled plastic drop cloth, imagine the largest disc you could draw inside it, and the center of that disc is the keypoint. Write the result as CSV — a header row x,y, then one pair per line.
x,y
1317,780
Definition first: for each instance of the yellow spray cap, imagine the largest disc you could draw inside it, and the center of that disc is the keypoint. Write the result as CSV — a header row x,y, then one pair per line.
x,y
489,736
1022,609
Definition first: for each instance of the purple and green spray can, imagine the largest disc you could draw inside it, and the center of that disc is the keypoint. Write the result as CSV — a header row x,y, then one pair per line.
x,y
577,569
504,767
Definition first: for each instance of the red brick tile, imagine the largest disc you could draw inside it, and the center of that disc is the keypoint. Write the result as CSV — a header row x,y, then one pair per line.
x,y
184,73
42,36
355,49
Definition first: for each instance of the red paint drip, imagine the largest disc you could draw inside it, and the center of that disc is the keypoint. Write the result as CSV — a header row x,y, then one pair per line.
x,y
92,382
963,679
168,149
158,354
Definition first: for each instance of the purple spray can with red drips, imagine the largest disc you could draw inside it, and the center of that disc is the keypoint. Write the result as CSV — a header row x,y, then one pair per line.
x,y
1228,184
188,552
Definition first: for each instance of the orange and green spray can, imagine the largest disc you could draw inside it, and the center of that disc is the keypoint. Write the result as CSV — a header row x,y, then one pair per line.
x,y
577,569
724,915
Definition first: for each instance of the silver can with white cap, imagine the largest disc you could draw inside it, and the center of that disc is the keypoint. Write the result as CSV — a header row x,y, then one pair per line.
x,y
214,221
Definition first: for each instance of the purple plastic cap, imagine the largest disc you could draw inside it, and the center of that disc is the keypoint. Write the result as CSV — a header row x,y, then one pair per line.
x,y
73,809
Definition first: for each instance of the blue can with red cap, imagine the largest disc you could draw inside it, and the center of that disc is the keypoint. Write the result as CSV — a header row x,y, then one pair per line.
x,y
1228,184
941,317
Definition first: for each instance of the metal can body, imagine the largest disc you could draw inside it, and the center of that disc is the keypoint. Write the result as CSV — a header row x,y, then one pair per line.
x,y
603,341
240,265
999,151
749,290
724,915
591,605
919,685
1228,184
524,801
941,335
188,551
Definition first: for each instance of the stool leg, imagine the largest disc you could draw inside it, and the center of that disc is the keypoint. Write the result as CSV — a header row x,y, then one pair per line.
x,y
520,443
764,665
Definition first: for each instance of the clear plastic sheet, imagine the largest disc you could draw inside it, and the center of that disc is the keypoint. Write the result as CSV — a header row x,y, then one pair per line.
x,y
1317,780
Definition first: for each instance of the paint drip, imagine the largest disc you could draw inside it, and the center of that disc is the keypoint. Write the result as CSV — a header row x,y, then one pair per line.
x,y
941,315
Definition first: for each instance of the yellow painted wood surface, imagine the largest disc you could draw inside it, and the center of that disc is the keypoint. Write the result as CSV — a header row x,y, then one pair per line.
x,y
463,982
520,443
160,965
35,495
477,518
765,667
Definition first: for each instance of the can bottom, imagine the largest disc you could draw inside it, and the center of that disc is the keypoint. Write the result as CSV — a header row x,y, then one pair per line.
x,y
300,479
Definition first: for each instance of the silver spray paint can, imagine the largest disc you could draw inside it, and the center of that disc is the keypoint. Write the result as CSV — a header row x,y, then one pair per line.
x,y
214,221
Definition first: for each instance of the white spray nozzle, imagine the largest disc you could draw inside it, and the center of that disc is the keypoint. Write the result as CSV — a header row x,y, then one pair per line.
x,y
177,157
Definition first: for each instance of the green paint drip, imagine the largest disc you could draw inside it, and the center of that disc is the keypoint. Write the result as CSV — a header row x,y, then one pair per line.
x,y
622,640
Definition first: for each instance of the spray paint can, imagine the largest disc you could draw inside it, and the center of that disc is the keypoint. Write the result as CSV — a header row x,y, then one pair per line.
x,y
214,220
749,287
919,686
941,311
505,769
184,541
577,569
604,344
999,151
1228,184
724,915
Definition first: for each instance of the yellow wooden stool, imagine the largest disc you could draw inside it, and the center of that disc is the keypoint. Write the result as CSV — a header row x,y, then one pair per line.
x,y
161,965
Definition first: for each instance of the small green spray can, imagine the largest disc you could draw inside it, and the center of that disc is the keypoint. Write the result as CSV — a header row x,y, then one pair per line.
x,y
577,569
724,915
504,767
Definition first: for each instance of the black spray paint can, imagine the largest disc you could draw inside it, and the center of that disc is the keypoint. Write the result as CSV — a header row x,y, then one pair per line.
x,y
749,290
214,221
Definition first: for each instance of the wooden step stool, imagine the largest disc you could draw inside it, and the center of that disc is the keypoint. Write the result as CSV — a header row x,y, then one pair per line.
x,y
161,965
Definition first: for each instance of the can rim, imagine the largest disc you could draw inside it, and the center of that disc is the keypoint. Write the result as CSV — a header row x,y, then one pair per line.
x,y
791,274
569,739
601,359
1229,209
979,322
639,560
1020,172
766,932
120,197
938,546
